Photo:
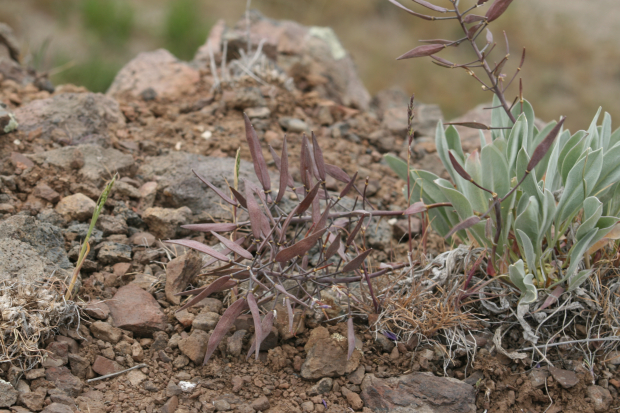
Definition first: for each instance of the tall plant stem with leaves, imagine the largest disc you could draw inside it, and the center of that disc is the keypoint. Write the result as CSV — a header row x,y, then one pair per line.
x,y
86,246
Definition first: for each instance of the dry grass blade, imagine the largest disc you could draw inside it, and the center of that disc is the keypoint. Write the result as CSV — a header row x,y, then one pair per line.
x,y
266,326
233,246
222,327
355,263
260,166
350,337
304,162
256,317
299,248
220,284
215,189
199,246
216,227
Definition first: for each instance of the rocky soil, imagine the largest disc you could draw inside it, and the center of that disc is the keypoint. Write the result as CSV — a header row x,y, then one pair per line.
x,y
160,119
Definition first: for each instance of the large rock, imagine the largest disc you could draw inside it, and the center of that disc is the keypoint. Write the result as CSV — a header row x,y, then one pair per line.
x,y
312,56
135,310
178,186
72,118
418,392
31,249
95,163
158,70
326,356
195,346
76,207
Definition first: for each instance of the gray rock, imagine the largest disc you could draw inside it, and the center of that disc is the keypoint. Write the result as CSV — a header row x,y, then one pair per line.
x,y
418,392
221,405
76,207
260,112
565,378
538,377
206,321
386,344
261,404
111,253
64,380
178,186
234,343
601,398
164,223
8,394
44,238
104,331
71,118
57,408
322,387
243,98
93,162
112,225
293,125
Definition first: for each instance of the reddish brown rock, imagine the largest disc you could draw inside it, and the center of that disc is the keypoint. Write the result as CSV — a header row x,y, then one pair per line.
x,y
97,310
103,366
64,380
158,70
180,272
43,191
135,310
327,355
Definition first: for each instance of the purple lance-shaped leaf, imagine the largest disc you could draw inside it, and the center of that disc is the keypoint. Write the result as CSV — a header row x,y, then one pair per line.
x,y
466,223
355,230
322,223
472,18
221,284
458,168
277,160
497,9
415,208
284,175
355,263
431,6
400,6
222,327
390,335
305,162
307,201
217,227
473,125
299,248
471,32
239,197
422,51
333,247
260,166
256,216
552,298
442,62
266,326
233,246
481,2
258,331
348,186
287,221
318,158
225,251
350,337
542,148
291,315
199,246
337,173
215,189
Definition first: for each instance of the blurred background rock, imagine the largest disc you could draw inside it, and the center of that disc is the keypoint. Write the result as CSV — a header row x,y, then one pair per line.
x,y
572,65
